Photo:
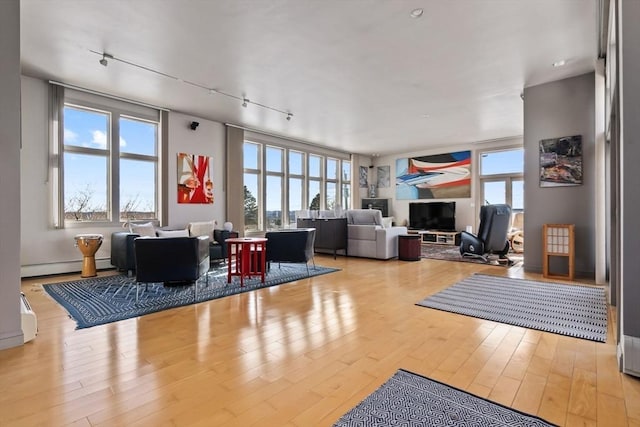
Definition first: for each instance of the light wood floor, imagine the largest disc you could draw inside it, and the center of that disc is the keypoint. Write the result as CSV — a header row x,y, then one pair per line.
x,y
302,354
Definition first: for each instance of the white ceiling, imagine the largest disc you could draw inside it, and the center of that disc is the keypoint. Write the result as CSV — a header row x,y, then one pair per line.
x,y
359,75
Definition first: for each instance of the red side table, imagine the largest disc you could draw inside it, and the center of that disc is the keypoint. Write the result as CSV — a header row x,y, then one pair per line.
x,y
247,257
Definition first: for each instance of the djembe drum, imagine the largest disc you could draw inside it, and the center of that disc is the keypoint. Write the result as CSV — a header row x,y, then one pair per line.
x,y
88,245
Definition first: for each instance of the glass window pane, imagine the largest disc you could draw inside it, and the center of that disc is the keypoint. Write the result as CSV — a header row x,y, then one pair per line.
x,y
86,128
137,190
331,195
332,169
314,166
251,202
274,159
314,195
274,202
346,171
296,160
517,195
295,197
85,187
494,193
138,137
251,155
497,162
346,196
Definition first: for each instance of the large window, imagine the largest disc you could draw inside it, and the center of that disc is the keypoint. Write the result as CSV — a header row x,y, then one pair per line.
x,y
502,177
109,165
280,181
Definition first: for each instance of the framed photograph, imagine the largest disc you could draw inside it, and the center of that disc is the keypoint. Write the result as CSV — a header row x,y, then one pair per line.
x,y
384,176
364,173
561,161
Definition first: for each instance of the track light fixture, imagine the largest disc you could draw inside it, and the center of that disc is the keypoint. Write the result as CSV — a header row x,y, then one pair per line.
x,y
212,91
104,61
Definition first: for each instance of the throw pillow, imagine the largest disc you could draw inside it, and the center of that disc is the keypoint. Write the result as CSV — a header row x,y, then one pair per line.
x,y
146,229
202,228
173,233
387,221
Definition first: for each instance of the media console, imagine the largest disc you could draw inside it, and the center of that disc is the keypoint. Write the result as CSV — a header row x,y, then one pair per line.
x,y
439,237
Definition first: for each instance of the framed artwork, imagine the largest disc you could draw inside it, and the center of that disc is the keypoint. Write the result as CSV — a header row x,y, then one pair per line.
x,y
561,161
364,181
194,179
384,176
440,176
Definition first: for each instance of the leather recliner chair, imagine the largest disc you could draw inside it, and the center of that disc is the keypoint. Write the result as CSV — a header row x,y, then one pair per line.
x,y
492,238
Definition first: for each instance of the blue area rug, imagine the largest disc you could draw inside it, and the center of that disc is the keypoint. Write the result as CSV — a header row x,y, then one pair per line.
x,y
408,399
107,299
574,310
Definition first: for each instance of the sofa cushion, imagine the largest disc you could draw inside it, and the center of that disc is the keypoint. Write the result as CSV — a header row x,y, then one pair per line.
x,y
362,232
364,217
146,229
202,228
173,233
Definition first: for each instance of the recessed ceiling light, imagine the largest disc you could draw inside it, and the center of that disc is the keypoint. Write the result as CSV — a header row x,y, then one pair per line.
x,y
425,116
559,63
416,13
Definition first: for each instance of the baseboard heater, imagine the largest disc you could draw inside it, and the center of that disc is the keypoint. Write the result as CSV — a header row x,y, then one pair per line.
x,y
29,319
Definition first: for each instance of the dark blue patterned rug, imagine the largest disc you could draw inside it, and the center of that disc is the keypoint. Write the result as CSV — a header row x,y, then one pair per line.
x,y
107,299
408,399
574,310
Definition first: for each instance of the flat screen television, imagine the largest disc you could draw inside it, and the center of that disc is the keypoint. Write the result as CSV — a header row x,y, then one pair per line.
x,y
440,216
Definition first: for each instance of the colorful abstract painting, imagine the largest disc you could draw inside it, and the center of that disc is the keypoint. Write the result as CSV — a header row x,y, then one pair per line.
x,y
440,176
561,161
194,179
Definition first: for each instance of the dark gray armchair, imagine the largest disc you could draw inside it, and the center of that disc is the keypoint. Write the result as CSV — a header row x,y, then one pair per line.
x,y
122,251
495,221
171,260
218,248
293,245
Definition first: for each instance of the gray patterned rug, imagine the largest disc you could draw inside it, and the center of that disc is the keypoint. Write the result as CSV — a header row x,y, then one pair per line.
x,y
574,310
107,299
408,399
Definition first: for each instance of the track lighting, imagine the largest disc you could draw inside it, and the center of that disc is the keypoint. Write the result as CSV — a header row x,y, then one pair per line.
x,y
104,61
245,101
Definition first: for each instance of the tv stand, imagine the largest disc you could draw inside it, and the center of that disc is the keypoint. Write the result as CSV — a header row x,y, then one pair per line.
x,y
440,237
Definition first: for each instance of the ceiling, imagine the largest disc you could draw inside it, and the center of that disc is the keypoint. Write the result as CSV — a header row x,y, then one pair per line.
x,y
361,75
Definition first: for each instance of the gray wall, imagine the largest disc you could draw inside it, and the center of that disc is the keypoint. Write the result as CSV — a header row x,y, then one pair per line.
x,y
10,328
630,176
551,110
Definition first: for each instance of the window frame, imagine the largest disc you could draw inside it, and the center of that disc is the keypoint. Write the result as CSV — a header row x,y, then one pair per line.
x,y
287,218
115,110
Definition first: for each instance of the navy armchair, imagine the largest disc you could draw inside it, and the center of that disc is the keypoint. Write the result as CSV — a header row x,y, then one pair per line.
x,y
292,245
171,260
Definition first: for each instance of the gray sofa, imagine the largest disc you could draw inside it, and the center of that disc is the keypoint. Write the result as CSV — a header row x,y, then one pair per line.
x,y
367,236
